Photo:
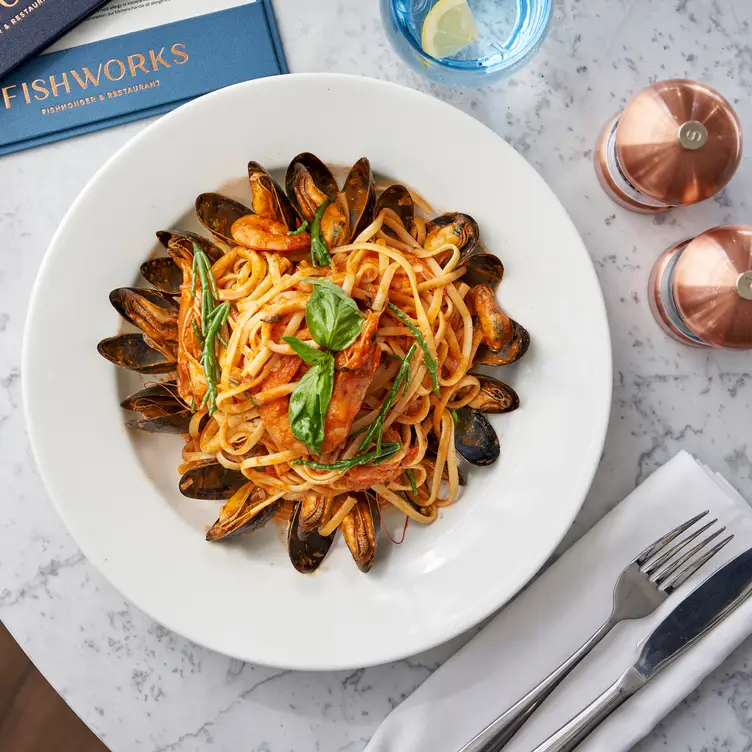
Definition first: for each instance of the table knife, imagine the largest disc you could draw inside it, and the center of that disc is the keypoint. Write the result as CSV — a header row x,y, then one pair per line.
x,y
694,617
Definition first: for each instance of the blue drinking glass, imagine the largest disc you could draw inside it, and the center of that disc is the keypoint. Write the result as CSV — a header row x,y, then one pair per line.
x,y
510,33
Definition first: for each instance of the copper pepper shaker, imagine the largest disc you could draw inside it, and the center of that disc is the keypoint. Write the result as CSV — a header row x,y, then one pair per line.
x,y
700,290
676,143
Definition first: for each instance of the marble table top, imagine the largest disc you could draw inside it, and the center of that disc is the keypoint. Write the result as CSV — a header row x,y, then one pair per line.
x,y
141,687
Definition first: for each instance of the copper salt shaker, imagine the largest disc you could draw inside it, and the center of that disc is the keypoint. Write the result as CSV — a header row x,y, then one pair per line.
x,y
700,290
676,143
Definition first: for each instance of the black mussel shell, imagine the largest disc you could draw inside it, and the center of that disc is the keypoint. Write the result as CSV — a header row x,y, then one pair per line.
x,y
218,214
182,242
517,346
313,513
360,529
211,481
153,312
360,191
495,325
240,519
164,274
306,553
475,438
483,268
494,396
268,198
131,351
397,198
177,423
156,400
456,228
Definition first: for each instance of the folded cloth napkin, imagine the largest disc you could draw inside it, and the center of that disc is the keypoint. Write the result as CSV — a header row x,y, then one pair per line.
x,y
559,611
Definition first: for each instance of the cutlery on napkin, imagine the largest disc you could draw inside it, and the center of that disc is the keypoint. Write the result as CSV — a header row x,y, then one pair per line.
x,y
562,608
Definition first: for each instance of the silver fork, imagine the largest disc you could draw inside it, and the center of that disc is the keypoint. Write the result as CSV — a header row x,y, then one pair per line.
x,y
643,585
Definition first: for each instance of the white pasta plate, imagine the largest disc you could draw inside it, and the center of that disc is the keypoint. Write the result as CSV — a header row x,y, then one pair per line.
x,y
117,490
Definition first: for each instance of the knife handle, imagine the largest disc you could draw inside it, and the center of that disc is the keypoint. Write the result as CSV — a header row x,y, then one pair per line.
x,y
584,723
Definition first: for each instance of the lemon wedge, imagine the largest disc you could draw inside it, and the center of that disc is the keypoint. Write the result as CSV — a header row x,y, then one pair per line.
x,y
448,28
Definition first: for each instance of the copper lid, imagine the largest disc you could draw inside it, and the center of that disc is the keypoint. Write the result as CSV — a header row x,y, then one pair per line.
x,y
712,286
679,142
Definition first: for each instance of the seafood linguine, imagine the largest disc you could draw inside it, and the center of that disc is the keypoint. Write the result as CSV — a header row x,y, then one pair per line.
x,y
321,347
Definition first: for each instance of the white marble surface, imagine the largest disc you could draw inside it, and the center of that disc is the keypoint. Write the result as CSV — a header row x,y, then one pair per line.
x,y
139,686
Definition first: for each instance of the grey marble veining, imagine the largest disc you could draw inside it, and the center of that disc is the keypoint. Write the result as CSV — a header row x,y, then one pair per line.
x,y
141,687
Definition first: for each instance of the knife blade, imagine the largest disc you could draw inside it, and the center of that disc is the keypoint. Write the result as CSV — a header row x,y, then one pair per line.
x,y
704,608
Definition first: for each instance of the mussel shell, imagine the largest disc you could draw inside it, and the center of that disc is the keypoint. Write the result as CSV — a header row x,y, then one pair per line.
x,y
131,351
244,518
320,174
483,268
360,191
313,513
218,214
360,529
397,198
475,438
155,401
511,352
153,312
306,553
268,198
211,481
465,233
164,274
495,325
182,242
177,423
494,396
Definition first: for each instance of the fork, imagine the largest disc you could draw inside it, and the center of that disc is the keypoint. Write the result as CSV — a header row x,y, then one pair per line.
x,y
642,586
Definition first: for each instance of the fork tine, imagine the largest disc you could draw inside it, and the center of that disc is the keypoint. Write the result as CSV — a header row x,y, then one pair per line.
x,y
654,548
662,560
681,577
675,566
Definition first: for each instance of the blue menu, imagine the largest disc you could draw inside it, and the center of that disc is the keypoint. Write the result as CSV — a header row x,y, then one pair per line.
x,y
98,84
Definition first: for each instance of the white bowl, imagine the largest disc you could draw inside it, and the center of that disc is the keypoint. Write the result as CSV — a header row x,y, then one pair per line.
x,y
117,490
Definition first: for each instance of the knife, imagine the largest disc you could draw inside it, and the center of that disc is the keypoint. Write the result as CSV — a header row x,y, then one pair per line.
x,y
704,608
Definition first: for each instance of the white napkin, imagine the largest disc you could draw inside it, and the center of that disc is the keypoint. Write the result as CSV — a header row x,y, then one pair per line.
x,y
559,611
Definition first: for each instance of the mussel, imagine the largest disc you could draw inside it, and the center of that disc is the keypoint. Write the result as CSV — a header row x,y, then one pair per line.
x,y
494,396
475,438
313,513
483,268
456,228
243,513
211,481
153,312
182,242
164,274
495,325
397,198
268,199
218,214
509,353
132,352
177,423
155,400
309,183
360,529
306,551
360,192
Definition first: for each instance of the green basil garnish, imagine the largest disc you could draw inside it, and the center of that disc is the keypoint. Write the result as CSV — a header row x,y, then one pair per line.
x,y
319,251
428,360
310,355
300,229
376,457
332,317
310,400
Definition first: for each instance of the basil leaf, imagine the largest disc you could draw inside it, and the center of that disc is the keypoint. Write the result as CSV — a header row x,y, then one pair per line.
x,y
319,250
309,403
310,355
376,457
332,317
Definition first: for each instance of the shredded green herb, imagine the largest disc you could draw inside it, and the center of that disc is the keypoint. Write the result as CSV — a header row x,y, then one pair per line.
x,y
300,229
454,416
319,251
411,478
428,359
376,457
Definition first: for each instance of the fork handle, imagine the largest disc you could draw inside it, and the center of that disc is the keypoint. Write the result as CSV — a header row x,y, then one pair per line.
x,y
575,731
500,731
